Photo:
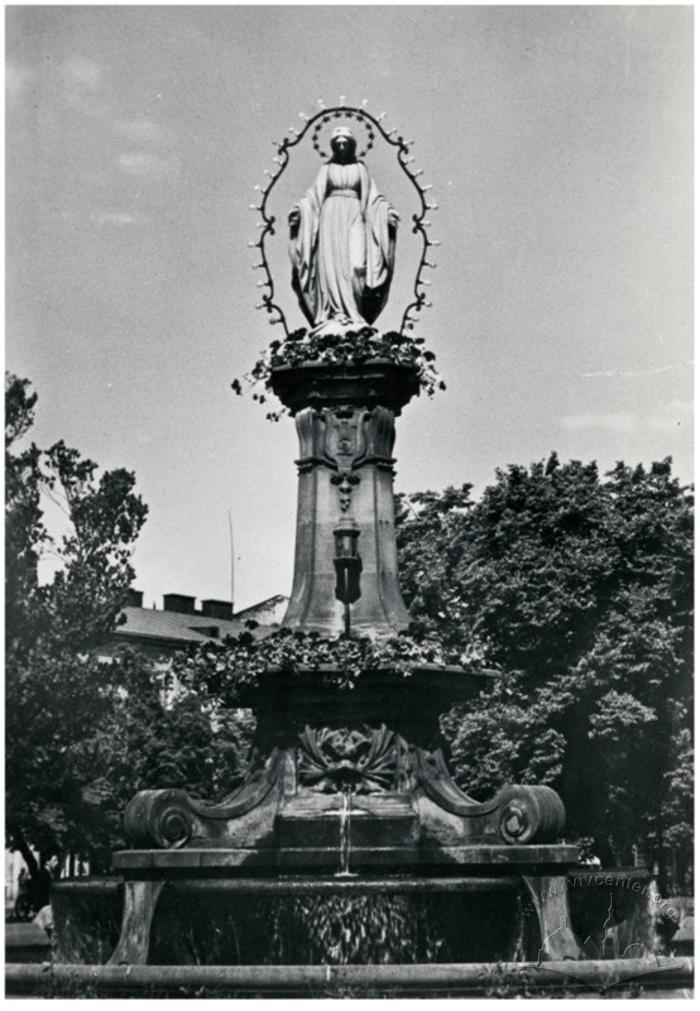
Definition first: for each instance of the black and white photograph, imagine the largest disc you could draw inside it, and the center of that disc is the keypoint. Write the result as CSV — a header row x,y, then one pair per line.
x,y
349,497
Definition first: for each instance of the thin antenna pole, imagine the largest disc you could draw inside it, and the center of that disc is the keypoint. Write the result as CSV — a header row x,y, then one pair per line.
x,y
233,572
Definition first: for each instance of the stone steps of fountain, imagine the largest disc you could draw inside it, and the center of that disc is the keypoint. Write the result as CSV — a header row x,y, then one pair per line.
x,y
225,861
317,822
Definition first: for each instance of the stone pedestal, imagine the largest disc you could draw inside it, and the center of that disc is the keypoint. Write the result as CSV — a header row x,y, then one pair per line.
x,y
345,422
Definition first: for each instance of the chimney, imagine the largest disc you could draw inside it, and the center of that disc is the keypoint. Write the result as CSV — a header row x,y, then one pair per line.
x,y
179,603
134,598
222,609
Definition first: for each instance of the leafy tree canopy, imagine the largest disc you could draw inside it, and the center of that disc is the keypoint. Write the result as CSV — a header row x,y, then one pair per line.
x,y
579,591
84,735
55,689
159,733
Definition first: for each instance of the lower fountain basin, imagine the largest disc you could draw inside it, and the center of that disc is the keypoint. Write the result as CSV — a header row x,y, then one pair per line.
x,y
344,924
208,916
302,920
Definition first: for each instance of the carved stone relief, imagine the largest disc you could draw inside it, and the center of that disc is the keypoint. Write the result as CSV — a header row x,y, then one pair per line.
x,y
345,439
355,759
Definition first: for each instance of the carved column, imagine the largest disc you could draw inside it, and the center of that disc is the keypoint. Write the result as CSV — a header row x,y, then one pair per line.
x,y
345,422
346,472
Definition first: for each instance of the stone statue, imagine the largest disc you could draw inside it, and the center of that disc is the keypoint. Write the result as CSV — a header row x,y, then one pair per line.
x,y
342,241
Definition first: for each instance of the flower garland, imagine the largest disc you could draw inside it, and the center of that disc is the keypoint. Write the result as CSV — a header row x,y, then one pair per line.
x,y
238,661
351,348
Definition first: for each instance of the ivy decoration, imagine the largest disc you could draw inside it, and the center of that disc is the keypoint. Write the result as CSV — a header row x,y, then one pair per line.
x,y
240,661
352,348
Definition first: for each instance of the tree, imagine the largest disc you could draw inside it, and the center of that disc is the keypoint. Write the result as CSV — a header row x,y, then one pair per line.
x,y
84,736
24,531
162,731
56,690
579,591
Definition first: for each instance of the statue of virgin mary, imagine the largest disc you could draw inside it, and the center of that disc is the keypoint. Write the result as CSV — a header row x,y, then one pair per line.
x,y
342,242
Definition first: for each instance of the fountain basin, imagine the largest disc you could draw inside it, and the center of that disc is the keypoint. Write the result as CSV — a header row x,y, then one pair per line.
x,y
619,978
205,895
301,920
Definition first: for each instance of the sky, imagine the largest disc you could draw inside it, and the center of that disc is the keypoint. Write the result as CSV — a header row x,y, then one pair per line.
x,y
559,144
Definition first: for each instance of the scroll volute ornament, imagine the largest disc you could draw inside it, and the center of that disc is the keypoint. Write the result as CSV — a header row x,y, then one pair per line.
x,y
380,434
530,814
159,818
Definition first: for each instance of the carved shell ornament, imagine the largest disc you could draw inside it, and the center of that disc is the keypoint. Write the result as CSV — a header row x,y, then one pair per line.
x,y
319,129
355,759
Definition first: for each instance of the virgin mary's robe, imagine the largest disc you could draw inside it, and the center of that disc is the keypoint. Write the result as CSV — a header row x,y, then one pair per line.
x,y
343,250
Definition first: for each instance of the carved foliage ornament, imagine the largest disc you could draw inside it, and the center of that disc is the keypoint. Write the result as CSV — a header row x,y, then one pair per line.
x,y
355,759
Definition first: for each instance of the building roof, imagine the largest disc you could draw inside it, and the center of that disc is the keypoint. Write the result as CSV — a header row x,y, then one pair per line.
x,y
262,607
177,628
141,621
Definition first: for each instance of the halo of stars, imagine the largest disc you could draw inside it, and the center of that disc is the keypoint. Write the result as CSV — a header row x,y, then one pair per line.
x,y
343,114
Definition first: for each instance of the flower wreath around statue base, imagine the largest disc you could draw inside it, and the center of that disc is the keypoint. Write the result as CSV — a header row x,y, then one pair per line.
x,y
350,348
241,661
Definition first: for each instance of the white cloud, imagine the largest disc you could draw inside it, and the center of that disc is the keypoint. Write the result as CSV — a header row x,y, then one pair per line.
x,y
630,373
678,404
17,78
143,131
143,164
84,73
116,219
675,414
81,82
623,421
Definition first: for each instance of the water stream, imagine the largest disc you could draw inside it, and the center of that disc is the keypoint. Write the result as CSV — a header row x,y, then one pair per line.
x,y
350,926
344,828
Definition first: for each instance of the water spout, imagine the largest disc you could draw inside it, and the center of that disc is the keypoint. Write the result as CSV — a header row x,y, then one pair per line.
x,y
345,814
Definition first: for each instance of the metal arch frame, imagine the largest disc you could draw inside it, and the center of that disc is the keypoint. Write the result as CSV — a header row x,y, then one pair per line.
x,y
268,221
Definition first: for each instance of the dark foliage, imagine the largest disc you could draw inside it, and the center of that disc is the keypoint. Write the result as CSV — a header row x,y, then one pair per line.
x,y
84,733
222,669
579,591
56,691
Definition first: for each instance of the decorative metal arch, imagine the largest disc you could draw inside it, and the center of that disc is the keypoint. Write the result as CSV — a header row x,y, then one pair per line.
x,y
267,222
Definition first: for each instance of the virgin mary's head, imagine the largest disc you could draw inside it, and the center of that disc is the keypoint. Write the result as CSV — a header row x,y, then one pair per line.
x,y
343,145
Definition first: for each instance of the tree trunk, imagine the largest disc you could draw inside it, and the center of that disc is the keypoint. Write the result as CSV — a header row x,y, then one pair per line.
x,y
28,857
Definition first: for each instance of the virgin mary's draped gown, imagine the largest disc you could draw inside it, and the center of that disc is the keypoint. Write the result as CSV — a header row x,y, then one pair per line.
x,y
343,252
